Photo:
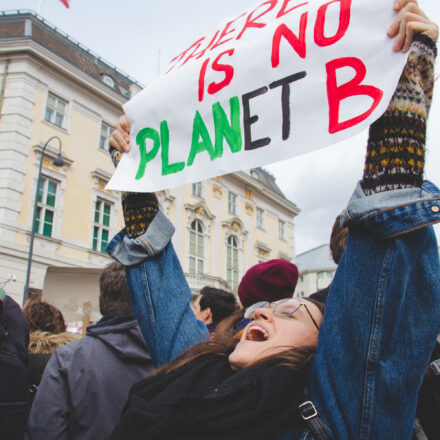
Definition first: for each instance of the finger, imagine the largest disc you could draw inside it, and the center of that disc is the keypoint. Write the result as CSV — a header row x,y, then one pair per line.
x,y
431,31
402,38
125,125
414,28
400,4
409,37
118,142
114,144
399,39
397,25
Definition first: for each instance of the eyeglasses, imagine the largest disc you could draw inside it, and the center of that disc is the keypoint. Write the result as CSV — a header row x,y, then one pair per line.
x,y
284,308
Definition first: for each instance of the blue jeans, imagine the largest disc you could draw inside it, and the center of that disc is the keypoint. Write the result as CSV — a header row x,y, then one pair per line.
x,y
381,320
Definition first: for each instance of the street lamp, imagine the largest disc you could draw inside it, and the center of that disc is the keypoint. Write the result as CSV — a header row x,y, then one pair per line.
x,y
58,162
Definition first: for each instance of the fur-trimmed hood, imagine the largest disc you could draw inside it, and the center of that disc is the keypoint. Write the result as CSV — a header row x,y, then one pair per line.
x,y
46,343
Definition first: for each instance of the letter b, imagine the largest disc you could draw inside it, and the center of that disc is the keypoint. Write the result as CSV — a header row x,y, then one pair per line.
x,y
336,93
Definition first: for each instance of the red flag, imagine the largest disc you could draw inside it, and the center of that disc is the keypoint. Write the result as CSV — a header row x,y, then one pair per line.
x,y
65,3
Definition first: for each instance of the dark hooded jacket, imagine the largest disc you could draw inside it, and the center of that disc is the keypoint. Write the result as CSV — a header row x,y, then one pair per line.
x,y
14,337
86,383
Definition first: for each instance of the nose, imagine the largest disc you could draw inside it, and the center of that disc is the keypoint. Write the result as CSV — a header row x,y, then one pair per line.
x,y
265,314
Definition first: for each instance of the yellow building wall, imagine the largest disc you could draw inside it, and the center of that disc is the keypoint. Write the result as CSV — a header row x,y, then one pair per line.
x,y
80,144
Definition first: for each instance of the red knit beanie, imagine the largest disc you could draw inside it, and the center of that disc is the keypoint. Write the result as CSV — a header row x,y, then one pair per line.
x,y
269,281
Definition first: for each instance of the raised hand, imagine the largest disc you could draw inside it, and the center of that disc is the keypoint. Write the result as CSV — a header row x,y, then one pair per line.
x,y
120,138
410,20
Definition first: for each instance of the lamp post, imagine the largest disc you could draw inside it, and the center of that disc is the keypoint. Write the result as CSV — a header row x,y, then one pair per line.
x,y
58,162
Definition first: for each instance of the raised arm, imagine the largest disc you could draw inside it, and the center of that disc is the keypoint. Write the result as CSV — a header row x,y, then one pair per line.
x,y
383,311
159,291
158,288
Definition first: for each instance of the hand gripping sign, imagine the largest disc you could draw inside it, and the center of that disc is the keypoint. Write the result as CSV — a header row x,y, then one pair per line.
x,y
284,78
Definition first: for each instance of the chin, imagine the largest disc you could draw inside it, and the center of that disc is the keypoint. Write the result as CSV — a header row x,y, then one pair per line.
x,y
239,360
236,361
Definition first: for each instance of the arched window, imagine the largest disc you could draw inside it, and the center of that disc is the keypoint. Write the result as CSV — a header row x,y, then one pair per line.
x,y
196,248
232,262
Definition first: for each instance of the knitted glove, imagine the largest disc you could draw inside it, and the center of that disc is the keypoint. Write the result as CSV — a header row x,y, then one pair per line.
x,y
139,211
115,156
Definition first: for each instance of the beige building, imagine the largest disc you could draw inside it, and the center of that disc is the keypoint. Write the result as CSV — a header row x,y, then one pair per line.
x,y
53,86
228,224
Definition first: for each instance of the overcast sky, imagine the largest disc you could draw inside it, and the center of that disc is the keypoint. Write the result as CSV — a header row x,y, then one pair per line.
x,y
141,36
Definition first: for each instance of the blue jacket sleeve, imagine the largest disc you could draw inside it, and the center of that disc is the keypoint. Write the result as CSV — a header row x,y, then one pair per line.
x,y
382,316
159,291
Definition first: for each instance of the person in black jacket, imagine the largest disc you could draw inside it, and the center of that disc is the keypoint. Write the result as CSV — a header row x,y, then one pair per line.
x,y
14,337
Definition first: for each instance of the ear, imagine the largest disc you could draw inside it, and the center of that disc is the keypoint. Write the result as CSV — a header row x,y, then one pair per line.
x,y
207,315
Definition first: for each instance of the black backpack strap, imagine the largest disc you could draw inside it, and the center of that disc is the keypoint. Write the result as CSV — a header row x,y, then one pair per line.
x,y
309,414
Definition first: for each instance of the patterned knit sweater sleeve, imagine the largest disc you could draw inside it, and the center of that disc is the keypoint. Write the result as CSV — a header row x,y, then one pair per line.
x,y
396,145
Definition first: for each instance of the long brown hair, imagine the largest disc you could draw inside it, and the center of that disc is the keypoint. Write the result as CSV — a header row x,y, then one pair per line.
x,y
224,343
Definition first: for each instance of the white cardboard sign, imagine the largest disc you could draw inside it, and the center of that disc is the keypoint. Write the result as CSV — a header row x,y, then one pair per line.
x,y
284,78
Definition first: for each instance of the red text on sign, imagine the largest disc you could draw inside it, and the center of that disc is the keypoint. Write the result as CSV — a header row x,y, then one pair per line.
x,y
336,94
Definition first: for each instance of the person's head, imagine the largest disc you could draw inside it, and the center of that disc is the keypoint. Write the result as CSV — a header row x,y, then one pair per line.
x,y
114,295
338,240
289,340
268,281
33,296
44,317
283,326
214,305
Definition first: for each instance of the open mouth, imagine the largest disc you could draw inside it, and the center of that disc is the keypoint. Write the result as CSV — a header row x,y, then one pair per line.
x,y
257,334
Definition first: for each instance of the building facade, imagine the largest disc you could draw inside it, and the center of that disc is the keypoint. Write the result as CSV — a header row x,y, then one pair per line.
x,y
52,86
316,270
227,224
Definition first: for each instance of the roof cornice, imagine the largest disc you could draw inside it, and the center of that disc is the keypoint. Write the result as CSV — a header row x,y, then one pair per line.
x,y
27,45
262,189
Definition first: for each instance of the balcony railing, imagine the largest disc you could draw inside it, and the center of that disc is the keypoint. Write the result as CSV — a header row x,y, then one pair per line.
x,y
197,282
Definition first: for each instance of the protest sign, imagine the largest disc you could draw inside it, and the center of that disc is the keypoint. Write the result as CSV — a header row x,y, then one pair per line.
x,y
284,78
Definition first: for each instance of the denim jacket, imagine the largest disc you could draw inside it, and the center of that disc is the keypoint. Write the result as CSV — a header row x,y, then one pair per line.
x,y
381,320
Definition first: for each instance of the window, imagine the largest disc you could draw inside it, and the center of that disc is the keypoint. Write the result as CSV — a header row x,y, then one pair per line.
x,y
107,80
232,203
196,248
281,230
232,263
106,132
55,110
260,218
47,193
197,189
101,228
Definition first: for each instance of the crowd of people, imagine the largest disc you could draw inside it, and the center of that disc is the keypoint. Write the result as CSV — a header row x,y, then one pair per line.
x,y
357,360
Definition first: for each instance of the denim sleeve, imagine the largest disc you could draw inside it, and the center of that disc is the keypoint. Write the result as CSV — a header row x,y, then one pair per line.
x,y
382,316
159,291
